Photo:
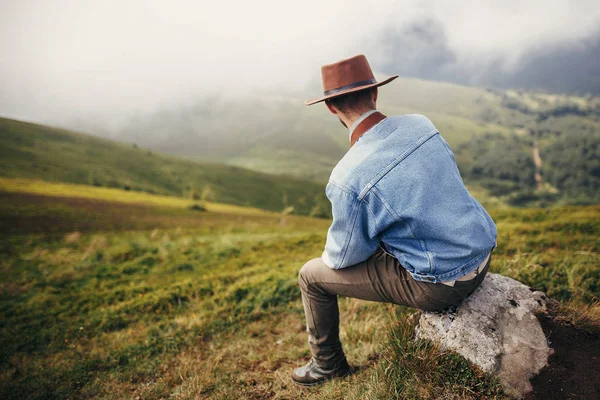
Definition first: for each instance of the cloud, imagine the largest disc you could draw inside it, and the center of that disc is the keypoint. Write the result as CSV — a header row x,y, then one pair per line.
x,y
422,49
109,59
419,49
562,67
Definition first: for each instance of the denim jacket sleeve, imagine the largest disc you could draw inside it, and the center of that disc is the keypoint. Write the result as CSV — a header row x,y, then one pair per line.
x,y
348,240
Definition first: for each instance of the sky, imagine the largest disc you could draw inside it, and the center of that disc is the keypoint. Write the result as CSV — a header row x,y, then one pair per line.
x,y
106,60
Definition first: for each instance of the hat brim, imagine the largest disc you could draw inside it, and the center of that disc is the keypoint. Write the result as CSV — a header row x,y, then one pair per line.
x,y
356,89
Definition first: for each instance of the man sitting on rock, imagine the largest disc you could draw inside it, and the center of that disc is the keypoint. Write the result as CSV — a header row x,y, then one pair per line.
x,y
405,229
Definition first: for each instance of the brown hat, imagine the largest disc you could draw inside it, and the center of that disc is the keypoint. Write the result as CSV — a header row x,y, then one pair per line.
x,y
347,76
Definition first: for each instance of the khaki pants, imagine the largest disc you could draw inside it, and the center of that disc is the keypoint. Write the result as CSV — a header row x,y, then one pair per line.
x,y
380,278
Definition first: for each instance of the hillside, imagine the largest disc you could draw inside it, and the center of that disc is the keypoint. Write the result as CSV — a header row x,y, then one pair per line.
x,y
491,131
109,294
276,133
38,152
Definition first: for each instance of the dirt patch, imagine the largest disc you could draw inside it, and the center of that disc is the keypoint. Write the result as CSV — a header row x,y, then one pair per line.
x,y
574,368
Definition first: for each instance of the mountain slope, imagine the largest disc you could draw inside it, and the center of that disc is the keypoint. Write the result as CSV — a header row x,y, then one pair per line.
x,y
39,152
278,134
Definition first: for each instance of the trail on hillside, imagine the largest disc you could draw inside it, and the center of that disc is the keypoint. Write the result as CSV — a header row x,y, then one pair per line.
x,y
537,162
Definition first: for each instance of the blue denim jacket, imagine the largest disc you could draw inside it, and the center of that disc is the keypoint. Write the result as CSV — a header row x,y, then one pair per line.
x,y
399,187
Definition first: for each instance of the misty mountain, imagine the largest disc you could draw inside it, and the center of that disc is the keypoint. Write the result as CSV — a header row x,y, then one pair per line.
x,y
259,132
279,134
493,133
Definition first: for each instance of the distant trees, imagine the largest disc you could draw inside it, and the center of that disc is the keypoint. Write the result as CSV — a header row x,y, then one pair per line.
x,y
504,165
573,165
499,157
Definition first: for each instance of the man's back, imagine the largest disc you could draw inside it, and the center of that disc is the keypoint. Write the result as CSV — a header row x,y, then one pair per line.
x,y
402,185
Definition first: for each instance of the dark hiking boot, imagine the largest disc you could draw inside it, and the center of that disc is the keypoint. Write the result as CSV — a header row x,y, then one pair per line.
x,y
311,374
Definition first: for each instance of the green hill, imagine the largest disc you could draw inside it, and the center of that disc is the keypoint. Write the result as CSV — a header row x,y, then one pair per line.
x,y
38,152
492,133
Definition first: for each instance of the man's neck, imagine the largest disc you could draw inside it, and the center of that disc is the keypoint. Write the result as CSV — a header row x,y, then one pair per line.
x,y
372,119
357,119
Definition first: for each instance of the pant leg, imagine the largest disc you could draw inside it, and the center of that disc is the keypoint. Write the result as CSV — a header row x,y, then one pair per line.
x,y
380,278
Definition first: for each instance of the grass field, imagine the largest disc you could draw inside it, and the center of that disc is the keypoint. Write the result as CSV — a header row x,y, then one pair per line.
x,y
37,152
110,298
32,186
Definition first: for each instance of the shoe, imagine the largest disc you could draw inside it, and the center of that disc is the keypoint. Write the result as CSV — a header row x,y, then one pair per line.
x,y
311,374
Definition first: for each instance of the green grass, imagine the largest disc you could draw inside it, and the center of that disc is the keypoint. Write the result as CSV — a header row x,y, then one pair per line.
x,y
37,152
110,194
107,299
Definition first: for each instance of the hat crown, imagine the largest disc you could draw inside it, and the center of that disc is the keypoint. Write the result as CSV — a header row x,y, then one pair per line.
x,y
346,72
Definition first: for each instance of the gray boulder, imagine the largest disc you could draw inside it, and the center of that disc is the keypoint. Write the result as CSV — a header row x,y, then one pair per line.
x,y
496,328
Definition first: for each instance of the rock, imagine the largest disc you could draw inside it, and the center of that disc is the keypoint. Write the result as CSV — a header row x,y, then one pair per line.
x,y
496,329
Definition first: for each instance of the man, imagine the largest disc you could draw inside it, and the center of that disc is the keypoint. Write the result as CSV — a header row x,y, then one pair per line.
x,y
405,229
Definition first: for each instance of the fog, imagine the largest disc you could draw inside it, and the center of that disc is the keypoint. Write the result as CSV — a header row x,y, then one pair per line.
x,y
105,61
